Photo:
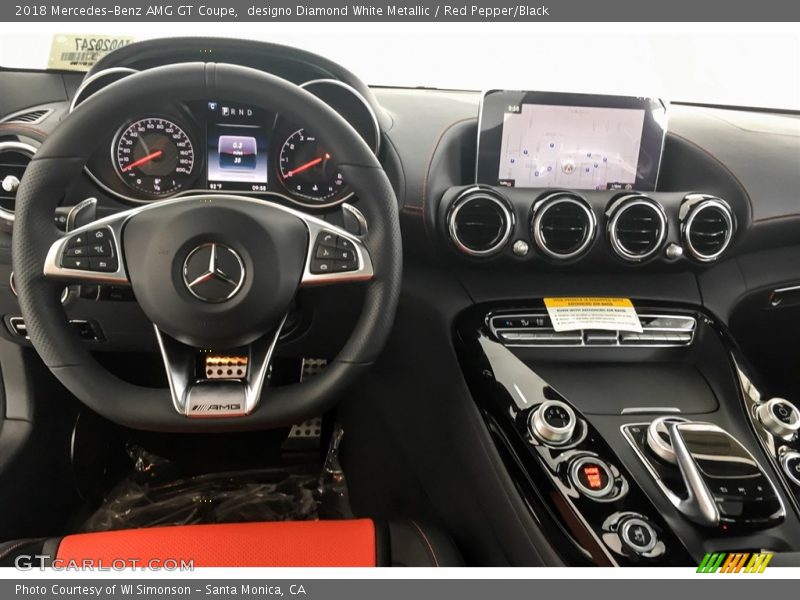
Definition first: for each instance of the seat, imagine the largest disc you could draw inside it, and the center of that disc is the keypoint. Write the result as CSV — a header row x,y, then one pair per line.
x,y
345,543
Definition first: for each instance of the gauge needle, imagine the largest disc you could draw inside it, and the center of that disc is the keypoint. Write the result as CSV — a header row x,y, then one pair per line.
x,y
143,160
306,166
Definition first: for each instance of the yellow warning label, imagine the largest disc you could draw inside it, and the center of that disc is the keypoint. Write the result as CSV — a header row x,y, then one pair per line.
x,y
580,313
568,302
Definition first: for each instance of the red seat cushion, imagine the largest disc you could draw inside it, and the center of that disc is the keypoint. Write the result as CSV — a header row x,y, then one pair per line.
x,y
282,544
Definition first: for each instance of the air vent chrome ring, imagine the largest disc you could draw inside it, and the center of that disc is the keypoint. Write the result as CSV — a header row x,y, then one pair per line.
x,y
693,207
619,209
496,202
7,216
561,199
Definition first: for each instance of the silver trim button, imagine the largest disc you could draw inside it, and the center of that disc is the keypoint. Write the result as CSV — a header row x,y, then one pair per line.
x,y
780,417
520,248
603,470
553,422
638,535
10,184
790,463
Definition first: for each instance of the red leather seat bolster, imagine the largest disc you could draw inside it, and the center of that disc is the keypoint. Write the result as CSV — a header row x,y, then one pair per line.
x,y
281,544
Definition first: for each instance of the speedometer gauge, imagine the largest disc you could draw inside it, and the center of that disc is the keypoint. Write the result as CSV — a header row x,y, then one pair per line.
x,y
154,156
307,170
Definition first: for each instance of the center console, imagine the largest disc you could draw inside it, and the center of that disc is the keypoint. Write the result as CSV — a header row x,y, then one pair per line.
x,y
635,449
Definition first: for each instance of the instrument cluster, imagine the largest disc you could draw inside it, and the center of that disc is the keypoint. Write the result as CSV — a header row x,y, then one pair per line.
x,y
218,146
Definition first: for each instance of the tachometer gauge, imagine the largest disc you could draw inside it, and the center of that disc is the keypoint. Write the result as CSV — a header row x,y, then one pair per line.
x,y
307,170
155,156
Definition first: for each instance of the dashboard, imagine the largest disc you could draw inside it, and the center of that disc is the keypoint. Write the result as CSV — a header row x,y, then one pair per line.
x,y
699,212
172,149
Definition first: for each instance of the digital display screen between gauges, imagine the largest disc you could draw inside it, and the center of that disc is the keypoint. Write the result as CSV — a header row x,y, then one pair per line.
x,y
155,156
237,147
307,169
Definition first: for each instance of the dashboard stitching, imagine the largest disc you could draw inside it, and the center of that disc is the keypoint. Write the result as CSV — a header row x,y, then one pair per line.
x,y
433,154
723,166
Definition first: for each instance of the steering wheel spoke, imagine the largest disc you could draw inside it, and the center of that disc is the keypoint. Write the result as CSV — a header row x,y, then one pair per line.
x,y
92,253
217,384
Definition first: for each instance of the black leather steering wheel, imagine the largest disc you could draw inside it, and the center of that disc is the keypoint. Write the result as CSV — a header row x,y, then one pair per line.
x,y
151,245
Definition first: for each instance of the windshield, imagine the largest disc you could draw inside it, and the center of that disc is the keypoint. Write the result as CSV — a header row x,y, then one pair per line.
x,y
754,65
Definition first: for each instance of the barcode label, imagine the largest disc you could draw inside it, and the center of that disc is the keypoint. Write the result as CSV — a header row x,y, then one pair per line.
x,y
78,52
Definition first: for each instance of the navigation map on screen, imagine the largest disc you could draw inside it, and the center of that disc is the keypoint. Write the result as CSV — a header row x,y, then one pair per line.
x,y
579,147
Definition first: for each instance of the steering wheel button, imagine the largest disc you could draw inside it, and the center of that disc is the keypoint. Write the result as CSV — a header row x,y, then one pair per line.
x,y
326,252
76,251
71,262
105,265
76,240
327,238
320,267
346,266
100,249
345,244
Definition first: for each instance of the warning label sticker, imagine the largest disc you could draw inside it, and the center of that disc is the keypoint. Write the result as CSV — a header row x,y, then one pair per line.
x,y
79,52
613,314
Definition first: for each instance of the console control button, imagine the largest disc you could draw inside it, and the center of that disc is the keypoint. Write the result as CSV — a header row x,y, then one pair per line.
x,y
791,466
780,417
553,422
592,477
638,535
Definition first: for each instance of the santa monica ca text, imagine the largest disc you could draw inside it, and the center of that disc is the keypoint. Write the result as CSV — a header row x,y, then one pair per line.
x,y
258,590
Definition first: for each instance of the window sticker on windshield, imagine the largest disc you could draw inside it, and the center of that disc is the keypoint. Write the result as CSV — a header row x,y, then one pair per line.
x,y
78,52
615,314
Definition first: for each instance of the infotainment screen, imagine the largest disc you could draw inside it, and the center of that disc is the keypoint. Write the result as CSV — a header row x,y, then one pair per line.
x,y
574,141
237,147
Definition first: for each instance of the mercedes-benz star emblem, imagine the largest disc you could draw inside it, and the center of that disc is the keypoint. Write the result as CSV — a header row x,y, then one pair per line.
x,y
213,272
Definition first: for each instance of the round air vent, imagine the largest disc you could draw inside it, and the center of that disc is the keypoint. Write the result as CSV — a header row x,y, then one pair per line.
x,y
563,225
14,159
480,222
97,82
708,226
637,227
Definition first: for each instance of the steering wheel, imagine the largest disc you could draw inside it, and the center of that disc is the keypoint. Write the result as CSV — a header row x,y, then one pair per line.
x,y
212,272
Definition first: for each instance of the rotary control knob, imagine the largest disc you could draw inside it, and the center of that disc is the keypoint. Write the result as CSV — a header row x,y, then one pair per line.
x,y
780,417
658,439
553,422
638,535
